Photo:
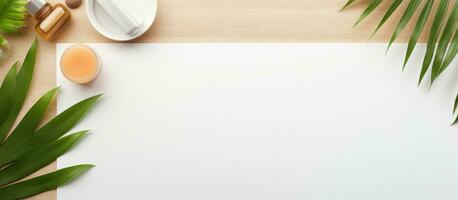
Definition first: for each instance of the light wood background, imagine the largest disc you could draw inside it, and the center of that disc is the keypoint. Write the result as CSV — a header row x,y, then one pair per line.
x,y
212,21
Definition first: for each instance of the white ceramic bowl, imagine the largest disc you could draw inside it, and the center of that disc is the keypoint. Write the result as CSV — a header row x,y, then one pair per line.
x,y
100,20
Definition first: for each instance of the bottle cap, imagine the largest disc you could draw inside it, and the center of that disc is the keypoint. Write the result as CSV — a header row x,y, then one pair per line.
x,y
33,6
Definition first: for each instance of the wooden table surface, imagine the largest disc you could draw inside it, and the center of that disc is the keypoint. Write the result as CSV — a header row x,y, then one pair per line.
x,y
212,21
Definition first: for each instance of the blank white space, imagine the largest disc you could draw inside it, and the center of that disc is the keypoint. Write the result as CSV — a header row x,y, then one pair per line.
x,y
263,121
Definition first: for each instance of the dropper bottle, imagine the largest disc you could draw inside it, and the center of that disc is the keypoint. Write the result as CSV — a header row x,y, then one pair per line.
x,y
51,19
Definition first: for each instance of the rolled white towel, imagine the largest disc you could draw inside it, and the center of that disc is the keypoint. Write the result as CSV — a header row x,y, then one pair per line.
x,y
123,13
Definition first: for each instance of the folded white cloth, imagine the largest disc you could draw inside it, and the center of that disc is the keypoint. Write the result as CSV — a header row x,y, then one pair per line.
x,y
123,13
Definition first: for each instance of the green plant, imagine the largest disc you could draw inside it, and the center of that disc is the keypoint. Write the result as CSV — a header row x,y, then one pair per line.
x,y
29,147
12,16
442,44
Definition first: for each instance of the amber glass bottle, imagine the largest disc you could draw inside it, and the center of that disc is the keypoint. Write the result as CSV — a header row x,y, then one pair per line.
x,y
51,19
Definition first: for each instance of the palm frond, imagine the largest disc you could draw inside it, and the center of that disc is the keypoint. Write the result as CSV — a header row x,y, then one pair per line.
x,y
29,148
23,79
442,44
12,15
371,7
432,39
455,106
451,52
3,41
349,2
7,93
408,13
394,5
38,159
42,183
417,30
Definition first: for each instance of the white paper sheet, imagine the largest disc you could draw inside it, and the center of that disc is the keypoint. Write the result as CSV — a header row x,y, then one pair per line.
x,y
263,121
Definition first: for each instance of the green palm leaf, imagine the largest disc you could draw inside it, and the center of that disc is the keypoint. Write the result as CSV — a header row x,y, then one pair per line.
x,y
451,53
12,15
417,30
23,79
31,119
38,159
24,128
455,106
394,5
7,93
408,13
455,122
371,7
442,44
65,121
349,2
42,183
50,132
29,148
3,41
433,35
